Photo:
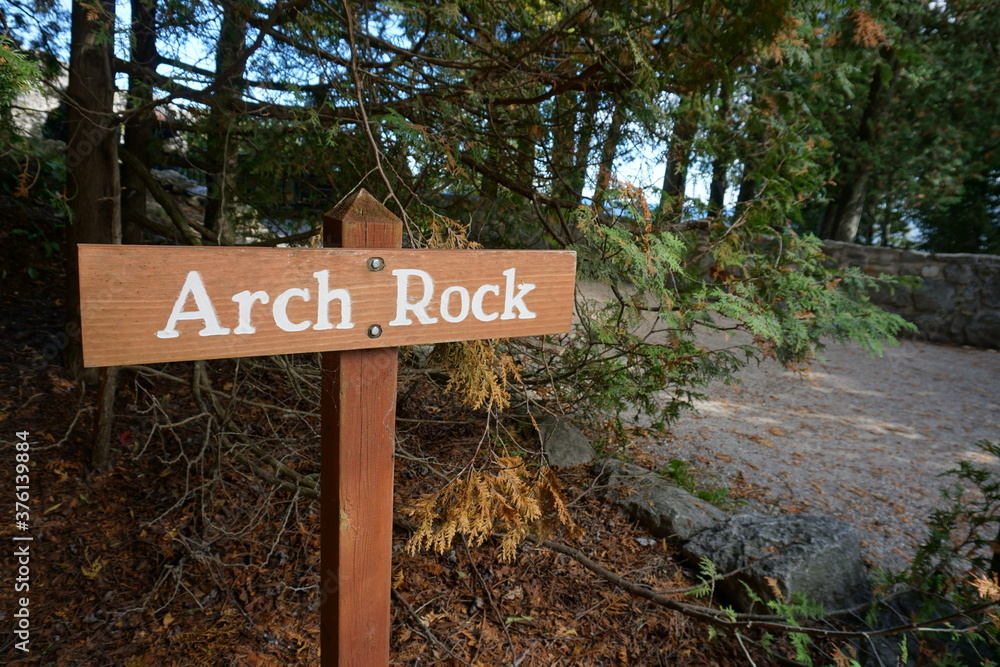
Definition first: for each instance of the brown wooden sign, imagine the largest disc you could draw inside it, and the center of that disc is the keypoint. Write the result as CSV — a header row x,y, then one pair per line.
x,y
147,304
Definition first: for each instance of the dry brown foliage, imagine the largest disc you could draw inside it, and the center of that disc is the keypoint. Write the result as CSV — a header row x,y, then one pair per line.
x,y
511,498
867,31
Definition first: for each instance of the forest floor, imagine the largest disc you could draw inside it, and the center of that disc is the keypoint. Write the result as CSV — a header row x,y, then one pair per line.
x,y
143,564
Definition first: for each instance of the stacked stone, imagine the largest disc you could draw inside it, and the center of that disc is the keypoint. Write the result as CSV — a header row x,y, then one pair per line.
x,y
957,302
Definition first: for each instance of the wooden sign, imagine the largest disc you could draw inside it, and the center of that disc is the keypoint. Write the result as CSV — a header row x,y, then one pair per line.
x,y
145,304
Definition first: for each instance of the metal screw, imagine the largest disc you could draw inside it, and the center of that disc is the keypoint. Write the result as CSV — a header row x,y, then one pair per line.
x,y
376,264
374,331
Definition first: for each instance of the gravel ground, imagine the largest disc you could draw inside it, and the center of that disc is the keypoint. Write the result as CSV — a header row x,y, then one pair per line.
x,y
857,438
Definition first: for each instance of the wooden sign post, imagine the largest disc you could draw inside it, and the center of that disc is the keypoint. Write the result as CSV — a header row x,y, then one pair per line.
x,y
358,413
355,301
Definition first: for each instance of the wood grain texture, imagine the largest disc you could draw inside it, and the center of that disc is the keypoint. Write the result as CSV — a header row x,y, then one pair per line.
x,y
143,304
358,408
128,294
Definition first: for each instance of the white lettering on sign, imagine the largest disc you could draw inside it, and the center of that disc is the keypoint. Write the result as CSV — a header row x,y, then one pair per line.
x,y
326,295
463,308
280,310
245,299
477,303
517,300
193,286
405,303
415,293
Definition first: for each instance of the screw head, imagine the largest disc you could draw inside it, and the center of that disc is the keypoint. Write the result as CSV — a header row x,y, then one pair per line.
x,y
376,263
374,331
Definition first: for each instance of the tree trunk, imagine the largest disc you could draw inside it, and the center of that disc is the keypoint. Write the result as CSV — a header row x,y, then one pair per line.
x,y
222,141
106,390
93,183
139,126
720,165
608,151
565,182
886,229
585,136
748,184
748,187
748,156
828,226
564,147
717,188
849,205
675,176
527,152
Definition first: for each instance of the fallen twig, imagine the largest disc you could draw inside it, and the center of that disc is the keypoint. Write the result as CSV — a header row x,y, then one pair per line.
x,y
423,626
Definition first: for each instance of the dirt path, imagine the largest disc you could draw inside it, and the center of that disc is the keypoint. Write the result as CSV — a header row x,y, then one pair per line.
x,y
856,438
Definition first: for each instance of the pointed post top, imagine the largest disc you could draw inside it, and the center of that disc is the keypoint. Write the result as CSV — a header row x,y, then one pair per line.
x,y
361,221
360,206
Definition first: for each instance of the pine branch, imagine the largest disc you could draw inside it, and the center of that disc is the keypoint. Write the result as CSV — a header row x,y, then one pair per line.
x,y
736,621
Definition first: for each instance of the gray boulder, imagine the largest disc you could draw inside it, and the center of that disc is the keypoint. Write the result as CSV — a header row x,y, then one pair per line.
x,y
937,296
991,291
814,556
173,180
664,509
984,329
563,443
933,327
895,297
178,183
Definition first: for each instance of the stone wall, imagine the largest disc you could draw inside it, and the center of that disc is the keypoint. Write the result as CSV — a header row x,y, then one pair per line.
x,y
959,301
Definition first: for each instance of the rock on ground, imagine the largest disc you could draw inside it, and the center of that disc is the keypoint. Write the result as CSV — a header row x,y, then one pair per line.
x,y
563,443
814,556
664,509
